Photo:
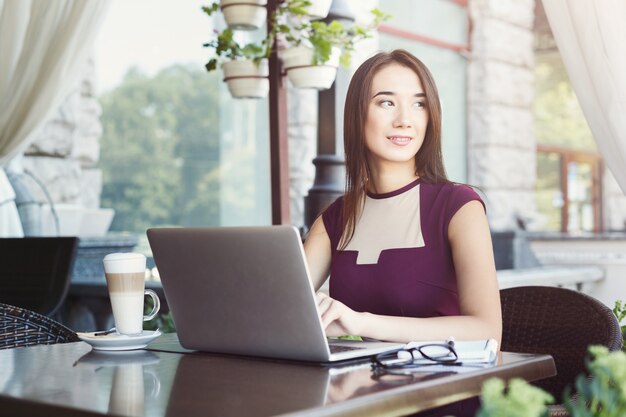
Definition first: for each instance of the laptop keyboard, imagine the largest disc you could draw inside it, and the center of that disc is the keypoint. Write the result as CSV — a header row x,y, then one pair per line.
x,y
338,348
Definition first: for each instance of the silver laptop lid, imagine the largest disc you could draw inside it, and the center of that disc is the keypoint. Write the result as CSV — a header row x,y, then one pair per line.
x,y
240,290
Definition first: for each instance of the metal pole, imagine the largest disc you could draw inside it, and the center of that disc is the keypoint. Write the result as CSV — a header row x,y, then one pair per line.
x,y
279,151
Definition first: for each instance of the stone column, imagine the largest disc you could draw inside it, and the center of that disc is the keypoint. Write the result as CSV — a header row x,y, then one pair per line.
x,y
501,141
302,125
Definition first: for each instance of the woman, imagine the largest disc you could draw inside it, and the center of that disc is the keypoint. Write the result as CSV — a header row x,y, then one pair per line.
x,y
409,252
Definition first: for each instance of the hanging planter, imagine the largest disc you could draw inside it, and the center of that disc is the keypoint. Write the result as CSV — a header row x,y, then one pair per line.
x,y
316,48
246,70
246,78
318,9
244,14
303,72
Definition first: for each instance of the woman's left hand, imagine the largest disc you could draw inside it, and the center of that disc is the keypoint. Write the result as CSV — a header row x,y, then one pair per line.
x,y
337,318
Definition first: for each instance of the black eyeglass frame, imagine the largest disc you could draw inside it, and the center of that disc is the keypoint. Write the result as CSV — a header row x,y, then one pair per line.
x,y
391,360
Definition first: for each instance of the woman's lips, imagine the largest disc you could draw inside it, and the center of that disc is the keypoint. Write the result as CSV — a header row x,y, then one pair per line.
x,y
400,140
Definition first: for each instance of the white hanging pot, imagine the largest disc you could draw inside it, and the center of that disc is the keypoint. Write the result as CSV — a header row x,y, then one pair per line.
x,y
246,79
319,9
244,14
298,63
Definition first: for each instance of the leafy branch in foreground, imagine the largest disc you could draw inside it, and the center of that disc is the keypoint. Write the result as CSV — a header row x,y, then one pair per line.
x,y
519,399
620,312
602,395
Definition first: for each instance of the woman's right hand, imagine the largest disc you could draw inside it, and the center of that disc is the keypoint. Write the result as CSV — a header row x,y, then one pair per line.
x,y
337,318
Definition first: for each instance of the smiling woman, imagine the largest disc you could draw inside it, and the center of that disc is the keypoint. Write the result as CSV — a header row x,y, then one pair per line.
x,y
409,252
396,120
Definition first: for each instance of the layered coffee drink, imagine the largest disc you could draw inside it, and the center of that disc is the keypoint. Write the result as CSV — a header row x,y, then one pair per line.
x,y
125,275
126,292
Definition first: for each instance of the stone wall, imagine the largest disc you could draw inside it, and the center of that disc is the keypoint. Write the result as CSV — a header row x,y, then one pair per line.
x,y
302,131
501,141
66,151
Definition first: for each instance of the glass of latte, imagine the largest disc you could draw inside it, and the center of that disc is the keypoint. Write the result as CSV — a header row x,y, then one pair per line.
x,y
125,275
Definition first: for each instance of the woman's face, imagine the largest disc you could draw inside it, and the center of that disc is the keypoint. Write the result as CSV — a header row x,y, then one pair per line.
x,y
397,117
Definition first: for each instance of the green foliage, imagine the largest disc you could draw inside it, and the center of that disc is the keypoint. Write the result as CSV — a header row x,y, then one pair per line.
x,y
226,48
559,119
321,36
604,395
300,30
620,312
519,399
160,140
162,321
209,10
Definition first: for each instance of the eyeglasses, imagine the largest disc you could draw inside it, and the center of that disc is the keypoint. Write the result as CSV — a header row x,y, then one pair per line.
x,y
428,354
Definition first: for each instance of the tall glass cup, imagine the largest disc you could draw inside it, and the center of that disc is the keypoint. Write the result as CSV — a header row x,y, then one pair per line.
x,y
125,275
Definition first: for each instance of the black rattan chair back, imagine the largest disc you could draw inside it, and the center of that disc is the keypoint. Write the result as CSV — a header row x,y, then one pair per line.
x,y
560,322
20,327
35,272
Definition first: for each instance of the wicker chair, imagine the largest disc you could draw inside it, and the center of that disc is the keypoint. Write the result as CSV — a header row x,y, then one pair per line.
x,y
20,327
560,322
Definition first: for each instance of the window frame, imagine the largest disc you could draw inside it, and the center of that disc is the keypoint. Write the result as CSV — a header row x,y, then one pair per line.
x,y
567,155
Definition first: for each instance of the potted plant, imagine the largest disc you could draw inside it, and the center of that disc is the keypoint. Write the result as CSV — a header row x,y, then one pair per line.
x,y
318,9
315,49
246,69
240,14
602,395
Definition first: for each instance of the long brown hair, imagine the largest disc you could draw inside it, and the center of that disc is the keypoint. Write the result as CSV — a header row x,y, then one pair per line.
x,y
428,161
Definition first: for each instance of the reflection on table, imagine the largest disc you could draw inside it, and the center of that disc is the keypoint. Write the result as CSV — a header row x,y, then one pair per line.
x,y
72,380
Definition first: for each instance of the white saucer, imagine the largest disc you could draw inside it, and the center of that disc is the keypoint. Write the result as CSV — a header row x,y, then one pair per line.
x,y
119,342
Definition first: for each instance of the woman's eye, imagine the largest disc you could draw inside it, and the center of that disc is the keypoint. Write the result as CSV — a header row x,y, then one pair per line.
x,y
420,104
386,103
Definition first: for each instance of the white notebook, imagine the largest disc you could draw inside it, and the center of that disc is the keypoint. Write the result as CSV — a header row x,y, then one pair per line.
x,y
470,351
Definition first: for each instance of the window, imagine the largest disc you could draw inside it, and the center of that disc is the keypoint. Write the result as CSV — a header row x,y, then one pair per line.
x,y
568,189
176,148
569,168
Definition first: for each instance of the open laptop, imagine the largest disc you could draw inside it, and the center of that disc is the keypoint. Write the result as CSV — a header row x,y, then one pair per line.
x,y
246,291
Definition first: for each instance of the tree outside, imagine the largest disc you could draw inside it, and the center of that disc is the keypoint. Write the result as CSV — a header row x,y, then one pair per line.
x,y
160,149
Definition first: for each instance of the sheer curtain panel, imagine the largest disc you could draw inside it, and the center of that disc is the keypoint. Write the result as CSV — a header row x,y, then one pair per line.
x,y
43,47
591,37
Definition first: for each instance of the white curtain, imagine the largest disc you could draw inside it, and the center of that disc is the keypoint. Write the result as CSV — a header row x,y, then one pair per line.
x,y
44,45
591,37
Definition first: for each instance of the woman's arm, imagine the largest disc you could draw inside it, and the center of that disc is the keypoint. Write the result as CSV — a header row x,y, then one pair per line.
x,y
318,253
479,295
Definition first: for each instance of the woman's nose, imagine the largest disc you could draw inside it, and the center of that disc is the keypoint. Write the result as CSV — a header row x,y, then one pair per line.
x,y
402,118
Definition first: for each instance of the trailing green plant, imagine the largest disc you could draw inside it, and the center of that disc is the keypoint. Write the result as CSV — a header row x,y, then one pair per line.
x,y
209,10
602,395
620,312
291,21
226,47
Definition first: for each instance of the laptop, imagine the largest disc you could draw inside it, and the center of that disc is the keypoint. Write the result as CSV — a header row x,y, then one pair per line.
x,y
246,291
